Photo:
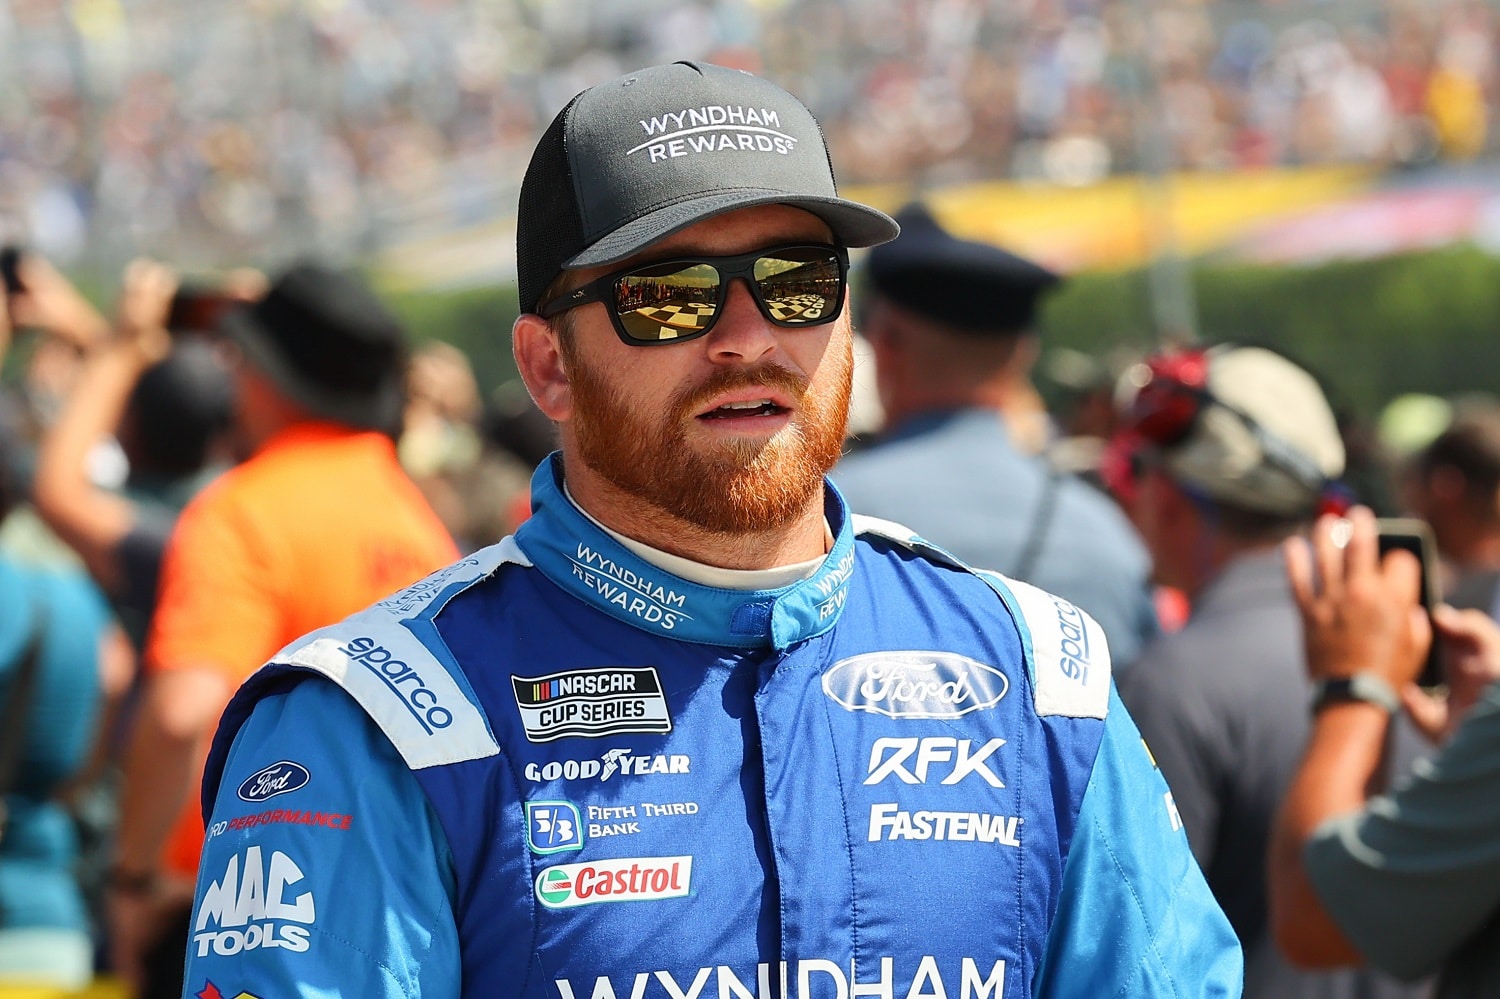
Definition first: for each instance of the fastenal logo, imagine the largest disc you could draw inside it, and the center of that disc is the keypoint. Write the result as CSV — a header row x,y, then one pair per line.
x,y
914,684
553,826
631,879
591,703
278,778
889,822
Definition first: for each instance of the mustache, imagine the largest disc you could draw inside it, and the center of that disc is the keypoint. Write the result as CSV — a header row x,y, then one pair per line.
x,y
691,400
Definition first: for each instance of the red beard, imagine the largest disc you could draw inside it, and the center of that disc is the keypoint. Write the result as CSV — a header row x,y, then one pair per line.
x,y
735,487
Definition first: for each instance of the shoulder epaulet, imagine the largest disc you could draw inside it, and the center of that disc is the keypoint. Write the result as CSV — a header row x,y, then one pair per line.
x,y
904,536
1068,652
1066,648
392,661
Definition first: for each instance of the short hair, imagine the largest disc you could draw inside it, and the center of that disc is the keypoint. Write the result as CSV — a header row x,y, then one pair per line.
x,y
1470,446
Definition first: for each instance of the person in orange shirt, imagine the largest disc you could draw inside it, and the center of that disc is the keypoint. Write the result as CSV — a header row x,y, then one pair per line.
x,y
319,522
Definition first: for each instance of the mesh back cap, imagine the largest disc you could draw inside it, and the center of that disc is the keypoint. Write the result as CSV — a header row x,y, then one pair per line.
x,y
634,160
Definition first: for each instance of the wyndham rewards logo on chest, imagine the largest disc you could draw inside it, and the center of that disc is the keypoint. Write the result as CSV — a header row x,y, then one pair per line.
x,y
278,778
914,684
591,703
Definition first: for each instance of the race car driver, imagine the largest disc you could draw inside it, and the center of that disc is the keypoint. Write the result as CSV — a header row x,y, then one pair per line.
x,y
696,730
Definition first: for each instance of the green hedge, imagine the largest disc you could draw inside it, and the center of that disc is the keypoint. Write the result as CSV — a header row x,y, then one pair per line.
x,y
1371,329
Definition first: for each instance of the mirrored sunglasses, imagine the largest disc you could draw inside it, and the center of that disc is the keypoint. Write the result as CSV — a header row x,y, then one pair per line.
x,y
670,301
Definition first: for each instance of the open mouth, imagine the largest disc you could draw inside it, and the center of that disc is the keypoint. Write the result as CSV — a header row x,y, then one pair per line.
x,y
740,410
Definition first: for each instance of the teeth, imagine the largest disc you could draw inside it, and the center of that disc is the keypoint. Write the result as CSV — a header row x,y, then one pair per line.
x,y
755,404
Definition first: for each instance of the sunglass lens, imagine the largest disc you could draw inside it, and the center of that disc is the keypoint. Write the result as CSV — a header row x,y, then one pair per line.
x,y
800,285
665,303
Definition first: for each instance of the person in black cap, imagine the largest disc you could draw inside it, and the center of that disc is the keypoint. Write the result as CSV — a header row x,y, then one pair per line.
x,y
693,681
951,325
319,521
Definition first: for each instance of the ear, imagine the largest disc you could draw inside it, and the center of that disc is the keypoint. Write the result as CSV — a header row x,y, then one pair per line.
x,y
539,360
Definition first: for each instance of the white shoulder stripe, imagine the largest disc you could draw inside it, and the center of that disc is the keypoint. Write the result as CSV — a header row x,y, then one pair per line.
x,y
903,536
1069,653
399,682
1070,656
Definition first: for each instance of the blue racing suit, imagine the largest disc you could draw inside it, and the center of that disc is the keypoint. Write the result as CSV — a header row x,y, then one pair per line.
x,y
555,771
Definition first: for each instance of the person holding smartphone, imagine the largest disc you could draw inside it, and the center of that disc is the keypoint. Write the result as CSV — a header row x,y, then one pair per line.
x,y
1407,879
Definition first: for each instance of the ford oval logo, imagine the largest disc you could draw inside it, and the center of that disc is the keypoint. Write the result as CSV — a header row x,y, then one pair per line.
x,y
278,778
914,684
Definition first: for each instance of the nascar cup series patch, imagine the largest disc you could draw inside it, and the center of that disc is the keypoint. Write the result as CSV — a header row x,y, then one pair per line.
x,y
591,703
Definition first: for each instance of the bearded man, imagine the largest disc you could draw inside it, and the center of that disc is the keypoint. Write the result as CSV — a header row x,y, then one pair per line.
x,y
822,757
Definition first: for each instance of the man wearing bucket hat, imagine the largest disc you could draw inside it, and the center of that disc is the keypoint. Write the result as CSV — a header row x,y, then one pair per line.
x,y
817,756
1238,452
318,522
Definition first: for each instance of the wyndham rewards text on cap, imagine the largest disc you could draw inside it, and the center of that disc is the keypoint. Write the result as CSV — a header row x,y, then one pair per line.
x,y
631,161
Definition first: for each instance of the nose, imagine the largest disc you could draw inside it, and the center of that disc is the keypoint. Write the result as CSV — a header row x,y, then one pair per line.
x,y
742,334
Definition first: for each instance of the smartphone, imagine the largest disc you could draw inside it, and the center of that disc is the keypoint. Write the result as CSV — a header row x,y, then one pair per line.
x,y
10,274
1415,536
196,308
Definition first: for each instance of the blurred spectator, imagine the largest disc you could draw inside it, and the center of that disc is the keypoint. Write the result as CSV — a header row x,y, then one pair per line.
x,y
217,129
61,673
951,326
168,403
1454,484
468,482
1408,880
319,522
1239,446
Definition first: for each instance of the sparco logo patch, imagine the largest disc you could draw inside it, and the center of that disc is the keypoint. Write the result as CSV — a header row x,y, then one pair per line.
x,y
278,778
591,703
405,682
632,879
914,684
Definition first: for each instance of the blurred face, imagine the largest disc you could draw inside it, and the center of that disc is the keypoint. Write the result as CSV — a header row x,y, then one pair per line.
x,y
731,432
1166,524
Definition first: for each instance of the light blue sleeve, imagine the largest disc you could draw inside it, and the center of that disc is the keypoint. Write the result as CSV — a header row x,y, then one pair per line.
x,y
325,872
1136,918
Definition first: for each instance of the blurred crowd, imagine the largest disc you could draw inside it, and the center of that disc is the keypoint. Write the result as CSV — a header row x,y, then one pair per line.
x,y
223,131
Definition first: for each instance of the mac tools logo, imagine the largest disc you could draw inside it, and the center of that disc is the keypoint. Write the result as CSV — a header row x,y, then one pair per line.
x,y
278,778
914,684
255,905
712,129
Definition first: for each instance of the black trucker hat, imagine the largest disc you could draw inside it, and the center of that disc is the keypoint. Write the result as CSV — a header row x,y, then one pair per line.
x,y
632,161
323,338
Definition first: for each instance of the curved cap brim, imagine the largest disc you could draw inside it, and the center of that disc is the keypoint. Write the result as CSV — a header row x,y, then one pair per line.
x,y
852,224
